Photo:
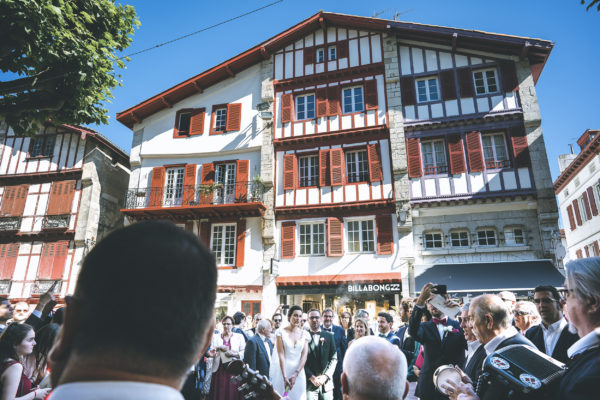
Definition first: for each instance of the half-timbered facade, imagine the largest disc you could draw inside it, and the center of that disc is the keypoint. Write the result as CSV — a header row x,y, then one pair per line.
x,y
578,192
60,192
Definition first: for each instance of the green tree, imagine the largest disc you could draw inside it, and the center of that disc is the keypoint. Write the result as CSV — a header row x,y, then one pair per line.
x,y
63,54
591,4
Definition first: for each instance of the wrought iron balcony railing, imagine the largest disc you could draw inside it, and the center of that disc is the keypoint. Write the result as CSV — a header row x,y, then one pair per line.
x,y
56,221
42,286
10,224
199,195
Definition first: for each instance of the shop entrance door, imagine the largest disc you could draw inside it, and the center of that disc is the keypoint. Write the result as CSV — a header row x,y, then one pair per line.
x,y
251,307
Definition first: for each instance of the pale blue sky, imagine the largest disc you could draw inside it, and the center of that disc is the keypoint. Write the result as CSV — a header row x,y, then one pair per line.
x,y
568,89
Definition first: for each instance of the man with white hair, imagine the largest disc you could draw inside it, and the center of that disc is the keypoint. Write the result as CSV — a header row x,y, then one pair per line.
x,y
259,348
582,290
475,352
374,369
509,298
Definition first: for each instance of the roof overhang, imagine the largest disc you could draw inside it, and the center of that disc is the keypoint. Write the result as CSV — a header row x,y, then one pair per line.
x,y
585,156
536,50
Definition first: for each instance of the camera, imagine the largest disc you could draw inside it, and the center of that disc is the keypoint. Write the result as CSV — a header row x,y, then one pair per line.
x,y
440,289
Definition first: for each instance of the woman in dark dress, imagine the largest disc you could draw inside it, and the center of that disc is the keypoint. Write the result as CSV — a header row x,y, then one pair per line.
x,y
16,342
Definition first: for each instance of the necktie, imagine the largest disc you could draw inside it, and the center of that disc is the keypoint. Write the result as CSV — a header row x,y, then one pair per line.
x,y
442,321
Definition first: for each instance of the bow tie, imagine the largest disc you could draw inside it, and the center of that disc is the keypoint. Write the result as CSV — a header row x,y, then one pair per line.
x,y
315,333
442,321
327,329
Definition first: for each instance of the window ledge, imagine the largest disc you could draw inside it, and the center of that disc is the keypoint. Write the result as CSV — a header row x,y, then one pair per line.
x,y
38,157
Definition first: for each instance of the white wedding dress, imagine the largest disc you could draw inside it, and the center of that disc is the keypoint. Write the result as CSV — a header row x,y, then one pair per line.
x,y
293,353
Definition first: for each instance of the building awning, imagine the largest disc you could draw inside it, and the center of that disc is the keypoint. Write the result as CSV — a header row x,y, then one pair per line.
x,y
239,288
355,284
477,278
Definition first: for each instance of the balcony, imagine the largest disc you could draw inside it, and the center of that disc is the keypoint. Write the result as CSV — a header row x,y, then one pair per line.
x,y
56,222
42,286
192,202
10,224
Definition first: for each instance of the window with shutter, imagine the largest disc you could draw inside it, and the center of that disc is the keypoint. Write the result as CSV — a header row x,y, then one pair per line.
x,y
427,89
241,181
8,198
13,200
218,122
371,94
46,260
333,102
197,121
61,198
157,185
321,102
289,172
182,123
474,151
60,258
336,166
205,233
577,212
434,157
207,178
240,243
494,150
234,117
407,88
414,157
335,237
385,236
457,157
305,107
361,236
189,185
510,82
223,243
520,147
375,170
588,209
579,254
288,239
486,81
309,55
324,175
343,49
8,259
593,200
286,108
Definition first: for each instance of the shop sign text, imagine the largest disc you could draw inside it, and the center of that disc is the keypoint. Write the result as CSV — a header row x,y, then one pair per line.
x,y
376,287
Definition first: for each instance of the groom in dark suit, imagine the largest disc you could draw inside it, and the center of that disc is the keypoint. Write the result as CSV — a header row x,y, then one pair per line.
x,y
321,360
341,345
442,339
259,349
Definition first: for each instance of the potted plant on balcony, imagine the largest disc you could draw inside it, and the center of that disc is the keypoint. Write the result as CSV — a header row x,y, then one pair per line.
x,y
207,192
257,189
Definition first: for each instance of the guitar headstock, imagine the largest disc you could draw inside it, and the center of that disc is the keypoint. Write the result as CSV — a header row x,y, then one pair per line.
x,y
250,383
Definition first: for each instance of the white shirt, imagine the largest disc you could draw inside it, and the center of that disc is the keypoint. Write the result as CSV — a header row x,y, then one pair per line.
x,y
264,340
315,337
552,333
114,390
589,340
471,347
493,344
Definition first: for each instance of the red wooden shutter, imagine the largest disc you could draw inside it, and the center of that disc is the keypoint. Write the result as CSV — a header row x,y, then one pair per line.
x,y
46,260
189,185
586,203
579,254
189,226
176,133
66,199
324,174
8,199
54,198
241,181
197,121
520,147
234,117
8,259
335,237
288,239
508,71
465,82
342,49
592,198
205,234
19,200
407,88
457,157
385,234
240,244
448,85
60,258
571,217
577,213
474,151
587,251
157,185
413,155
207,178
597,248
333,102
309,55
289,171
336,166
286,108
321,102
375,171
371,94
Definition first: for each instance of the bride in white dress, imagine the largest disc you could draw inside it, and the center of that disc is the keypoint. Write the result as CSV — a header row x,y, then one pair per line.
x,y
289,356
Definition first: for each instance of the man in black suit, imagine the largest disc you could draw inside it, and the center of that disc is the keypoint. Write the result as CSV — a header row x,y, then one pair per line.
x,y
475,351
259,348
442,339
239,318
552,336
341,344
321,361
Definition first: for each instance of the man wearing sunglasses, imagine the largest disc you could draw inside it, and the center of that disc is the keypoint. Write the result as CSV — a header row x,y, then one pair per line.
x,y
552,336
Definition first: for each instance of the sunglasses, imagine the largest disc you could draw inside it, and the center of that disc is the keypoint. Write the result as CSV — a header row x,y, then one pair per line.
x,y
521,313
277,320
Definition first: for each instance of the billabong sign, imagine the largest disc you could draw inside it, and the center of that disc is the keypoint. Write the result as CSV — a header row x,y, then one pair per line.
x,y
374,287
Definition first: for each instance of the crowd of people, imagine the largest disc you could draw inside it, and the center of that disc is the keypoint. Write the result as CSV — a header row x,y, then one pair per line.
x,y
154,348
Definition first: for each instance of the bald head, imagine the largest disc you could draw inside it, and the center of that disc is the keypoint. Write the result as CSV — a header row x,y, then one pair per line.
x,y
374,369
489,316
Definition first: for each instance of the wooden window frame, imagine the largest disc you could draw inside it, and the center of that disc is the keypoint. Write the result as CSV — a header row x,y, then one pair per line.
x,y
433,240
251,302
322,58
345,165
342,100
311,237
361,233
42,154
213,119
315,179
296,97
485,81
335,55
222,258
436,168
495,163
426,79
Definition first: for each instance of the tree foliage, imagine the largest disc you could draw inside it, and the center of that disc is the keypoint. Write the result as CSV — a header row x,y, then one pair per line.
x,y
591,4
64,53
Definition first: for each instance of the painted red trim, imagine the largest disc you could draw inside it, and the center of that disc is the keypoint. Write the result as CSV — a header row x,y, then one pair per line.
x,y
355,208
321,280
346,136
